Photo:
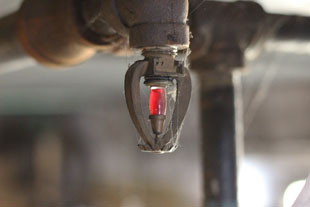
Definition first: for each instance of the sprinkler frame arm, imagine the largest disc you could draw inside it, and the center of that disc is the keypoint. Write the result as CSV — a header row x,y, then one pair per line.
x,y
169,141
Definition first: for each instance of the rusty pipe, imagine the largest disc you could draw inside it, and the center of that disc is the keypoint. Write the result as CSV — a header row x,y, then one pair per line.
x,y
67,32
157,23
48,32
220,41
12,55
63,33
147,23
9,45
55,33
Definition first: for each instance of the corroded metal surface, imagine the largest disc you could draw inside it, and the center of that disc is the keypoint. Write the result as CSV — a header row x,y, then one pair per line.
x,y
47,31
61,33
58,33
223,31
148,23
10,49
155,23
160,29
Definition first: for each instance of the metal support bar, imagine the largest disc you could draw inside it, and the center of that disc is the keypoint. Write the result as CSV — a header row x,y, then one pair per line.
x,y
219,138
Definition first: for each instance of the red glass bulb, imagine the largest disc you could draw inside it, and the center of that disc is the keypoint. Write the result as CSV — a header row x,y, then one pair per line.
x,y
157,102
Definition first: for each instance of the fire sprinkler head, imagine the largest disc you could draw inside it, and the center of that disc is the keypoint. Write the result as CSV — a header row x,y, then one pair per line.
x,y
160,69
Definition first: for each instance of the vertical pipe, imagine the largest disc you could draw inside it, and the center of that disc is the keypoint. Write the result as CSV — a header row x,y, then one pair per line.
x,y
219,143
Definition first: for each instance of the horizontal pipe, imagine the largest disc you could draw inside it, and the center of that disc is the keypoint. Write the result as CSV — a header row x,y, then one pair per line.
x,y
293,28
12,55
55,33
70,35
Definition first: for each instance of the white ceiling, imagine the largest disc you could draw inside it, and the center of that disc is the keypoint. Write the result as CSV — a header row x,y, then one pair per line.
x,y
8,6
298,7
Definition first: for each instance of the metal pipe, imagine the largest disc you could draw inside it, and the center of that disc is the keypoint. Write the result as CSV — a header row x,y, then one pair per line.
x,y
292,27
55,33
12,55
74,30
219,138
62,33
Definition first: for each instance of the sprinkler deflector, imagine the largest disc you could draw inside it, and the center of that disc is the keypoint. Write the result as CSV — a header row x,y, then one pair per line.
x,y
159,70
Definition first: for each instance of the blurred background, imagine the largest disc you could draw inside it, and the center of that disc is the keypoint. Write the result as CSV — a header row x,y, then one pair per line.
x,y
66,138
